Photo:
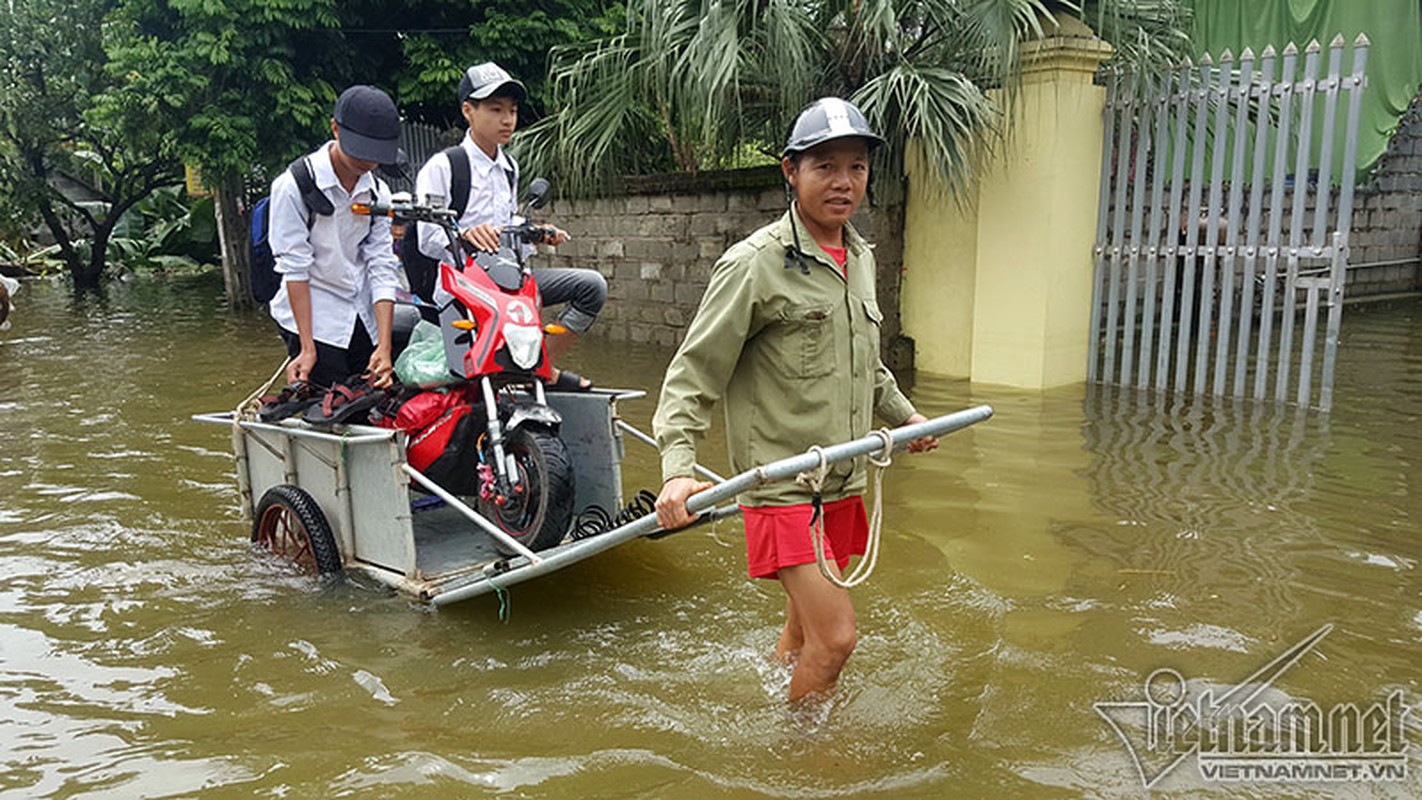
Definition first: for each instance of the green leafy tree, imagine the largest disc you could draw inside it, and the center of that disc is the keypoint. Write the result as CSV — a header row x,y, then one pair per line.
x,y
246,83
427,44
167,231
242,86
63,120
693,81
699,83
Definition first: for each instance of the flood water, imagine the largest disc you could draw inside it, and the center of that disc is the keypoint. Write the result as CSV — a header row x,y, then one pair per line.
x,y
1042,562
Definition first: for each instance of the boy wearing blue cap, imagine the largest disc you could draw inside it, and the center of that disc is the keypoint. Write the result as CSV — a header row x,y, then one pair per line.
x,y
339,272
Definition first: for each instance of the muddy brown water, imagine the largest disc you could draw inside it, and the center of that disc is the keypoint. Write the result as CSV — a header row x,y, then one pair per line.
x,y
1038,564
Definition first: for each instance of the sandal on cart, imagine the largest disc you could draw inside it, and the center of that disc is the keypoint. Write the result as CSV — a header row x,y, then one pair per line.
x,y
386,410
347,402
290,401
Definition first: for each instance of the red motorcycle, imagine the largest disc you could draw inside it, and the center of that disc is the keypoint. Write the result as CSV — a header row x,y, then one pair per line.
x,y
499,439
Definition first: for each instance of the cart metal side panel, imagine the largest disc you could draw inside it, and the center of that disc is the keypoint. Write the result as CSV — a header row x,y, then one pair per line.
x,y
380,506
372,523
266,463
594,446
321,475
275,457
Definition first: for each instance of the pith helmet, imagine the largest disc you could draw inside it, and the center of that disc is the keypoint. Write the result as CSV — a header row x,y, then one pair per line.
x,y
825,119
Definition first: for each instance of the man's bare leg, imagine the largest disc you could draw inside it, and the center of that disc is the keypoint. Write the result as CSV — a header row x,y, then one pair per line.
x,y
826,619
792,638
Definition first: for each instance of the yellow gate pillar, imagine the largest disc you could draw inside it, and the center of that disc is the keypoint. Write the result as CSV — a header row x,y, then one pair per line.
x,y
1023,248
940,266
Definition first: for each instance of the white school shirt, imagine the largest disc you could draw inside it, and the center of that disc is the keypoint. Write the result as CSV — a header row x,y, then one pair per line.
x,y
491,198
348,259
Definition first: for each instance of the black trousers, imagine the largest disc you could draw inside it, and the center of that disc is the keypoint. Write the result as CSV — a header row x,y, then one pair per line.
x,y
334,364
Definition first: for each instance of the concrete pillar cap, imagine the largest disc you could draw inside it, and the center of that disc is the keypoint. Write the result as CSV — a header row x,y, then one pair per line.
x,y
1068,46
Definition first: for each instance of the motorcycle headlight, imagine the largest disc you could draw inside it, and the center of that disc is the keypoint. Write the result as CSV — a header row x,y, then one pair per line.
x,y
524,342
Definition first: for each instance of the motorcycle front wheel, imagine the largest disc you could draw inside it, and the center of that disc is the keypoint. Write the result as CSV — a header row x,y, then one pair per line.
x,y
538,517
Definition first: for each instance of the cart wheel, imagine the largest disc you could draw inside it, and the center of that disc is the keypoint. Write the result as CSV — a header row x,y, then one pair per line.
x,y
290,525
540,516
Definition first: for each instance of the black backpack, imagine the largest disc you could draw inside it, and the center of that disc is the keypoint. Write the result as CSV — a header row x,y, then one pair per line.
x,y
265,280
420,269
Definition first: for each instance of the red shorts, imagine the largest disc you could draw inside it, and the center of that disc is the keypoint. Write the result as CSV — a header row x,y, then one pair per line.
x,y
779,536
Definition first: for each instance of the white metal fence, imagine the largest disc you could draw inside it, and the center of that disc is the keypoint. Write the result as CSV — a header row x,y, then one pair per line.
x,y
419,141
1198,286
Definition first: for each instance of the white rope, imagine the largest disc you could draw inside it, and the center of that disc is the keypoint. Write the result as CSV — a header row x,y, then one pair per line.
x,y
815,480
716,534
247,409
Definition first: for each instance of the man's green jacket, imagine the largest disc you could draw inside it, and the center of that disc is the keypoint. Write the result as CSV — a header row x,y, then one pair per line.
x,y
794,358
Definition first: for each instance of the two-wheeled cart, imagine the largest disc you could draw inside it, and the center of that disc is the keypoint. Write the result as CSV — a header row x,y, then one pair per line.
x,y
344,498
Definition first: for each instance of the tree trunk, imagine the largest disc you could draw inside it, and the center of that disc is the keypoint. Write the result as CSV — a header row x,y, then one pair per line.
x,y
67,253
39,174
232,236
90,277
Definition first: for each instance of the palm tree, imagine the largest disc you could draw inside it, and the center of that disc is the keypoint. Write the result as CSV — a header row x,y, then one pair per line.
x,y
698,84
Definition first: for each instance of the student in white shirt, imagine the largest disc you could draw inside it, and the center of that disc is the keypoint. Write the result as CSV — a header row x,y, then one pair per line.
x,y
339,272
489,101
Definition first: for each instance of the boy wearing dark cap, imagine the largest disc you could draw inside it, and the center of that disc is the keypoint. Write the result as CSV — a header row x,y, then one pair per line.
x,y
339,272
489,100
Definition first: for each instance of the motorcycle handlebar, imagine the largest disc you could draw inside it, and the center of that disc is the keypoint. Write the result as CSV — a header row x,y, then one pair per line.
x,y
523,232
405,212
531,234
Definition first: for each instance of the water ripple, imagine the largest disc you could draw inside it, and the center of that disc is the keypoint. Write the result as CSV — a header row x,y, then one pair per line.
x,y
1037,564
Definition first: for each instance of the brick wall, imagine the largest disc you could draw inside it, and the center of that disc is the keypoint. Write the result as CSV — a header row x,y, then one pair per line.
x,y
657,239
1387,216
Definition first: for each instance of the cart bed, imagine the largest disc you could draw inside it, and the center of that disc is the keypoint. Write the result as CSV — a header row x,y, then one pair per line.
x,y
382,525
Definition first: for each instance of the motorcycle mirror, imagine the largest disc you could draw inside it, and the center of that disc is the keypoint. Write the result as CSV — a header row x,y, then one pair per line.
x,y
538,193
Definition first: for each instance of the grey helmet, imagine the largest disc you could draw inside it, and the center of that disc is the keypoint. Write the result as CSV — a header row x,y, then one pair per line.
x,y
826,119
